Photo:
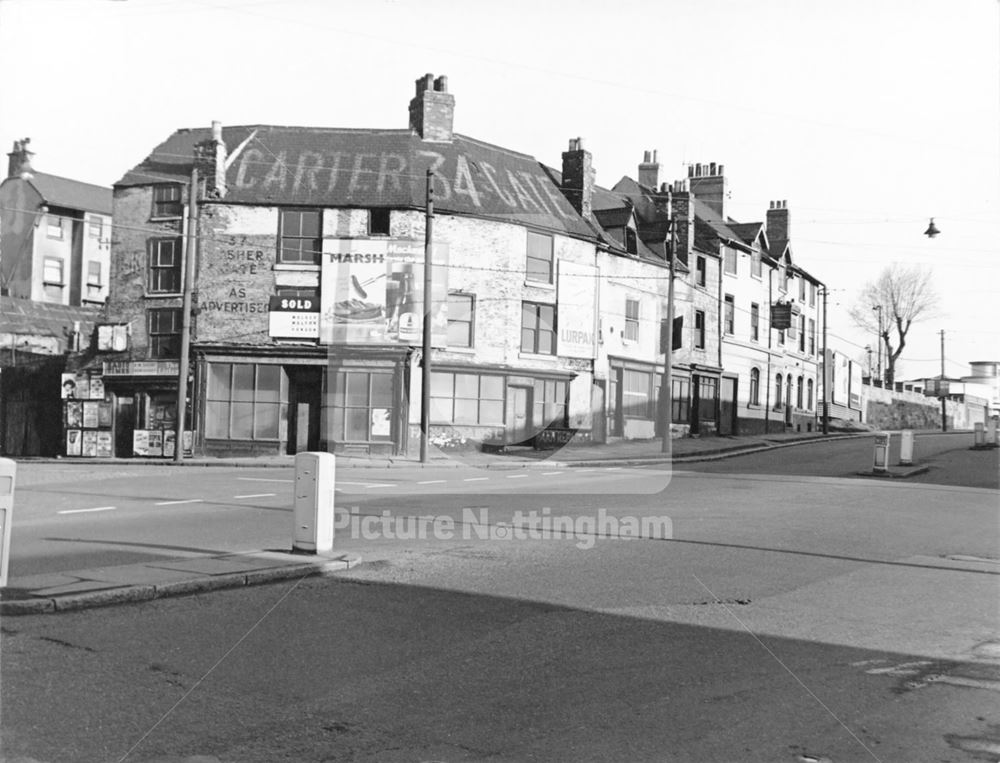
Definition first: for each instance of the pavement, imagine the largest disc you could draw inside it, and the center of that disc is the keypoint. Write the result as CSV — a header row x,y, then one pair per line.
x,y
96,587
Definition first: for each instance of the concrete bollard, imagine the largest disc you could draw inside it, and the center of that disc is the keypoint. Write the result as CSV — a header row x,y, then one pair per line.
x,y
8,473
906,448
991,431
980,441
881,461
314,509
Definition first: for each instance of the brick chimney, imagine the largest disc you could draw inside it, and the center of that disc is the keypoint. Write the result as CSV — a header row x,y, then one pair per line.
x,y
19,160
210,156
578,177
432,110
777,221
708,184
682,214
649,171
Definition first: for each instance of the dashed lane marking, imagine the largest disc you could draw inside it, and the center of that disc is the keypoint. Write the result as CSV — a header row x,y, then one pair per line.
x,y
87,511
263,479
475,479
548,474
431,482
174,503
256,495
516,476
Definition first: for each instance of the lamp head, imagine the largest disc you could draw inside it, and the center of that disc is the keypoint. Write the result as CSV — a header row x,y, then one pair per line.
x,y
932,230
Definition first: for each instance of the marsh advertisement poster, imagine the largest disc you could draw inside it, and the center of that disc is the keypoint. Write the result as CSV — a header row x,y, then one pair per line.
x,y
372,292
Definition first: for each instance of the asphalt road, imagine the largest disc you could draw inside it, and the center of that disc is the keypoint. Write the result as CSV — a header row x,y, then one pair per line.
x,y
783,618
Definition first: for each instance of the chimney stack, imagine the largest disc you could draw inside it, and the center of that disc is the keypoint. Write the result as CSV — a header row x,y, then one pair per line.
x,y
777,221
432,110
19,160
708,183
649,171
578,177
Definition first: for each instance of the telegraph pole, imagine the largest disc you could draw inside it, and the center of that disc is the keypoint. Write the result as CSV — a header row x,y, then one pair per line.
x,y
189,257
668,360
826,370
425,387
944,407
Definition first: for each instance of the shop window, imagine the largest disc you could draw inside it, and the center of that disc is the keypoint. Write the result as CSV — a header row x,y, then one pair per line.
x,y
300,237
167,201
638,398
461,327
246,401
458,398
539,261
550,403
164,332
680,400
164,266
362,406
632,320
538,328
754,386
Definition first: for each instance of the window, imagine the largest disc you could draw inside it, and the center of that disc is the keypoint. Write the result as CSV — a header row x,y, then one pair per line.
x,y
755,267
781,336
631,320
378,222
300,238
699,329
310,293
538,266
461,309
812,336
53,226
809,401
165,332
730,314
812,294
52,271
246,401
680,400
784,279
729,260
754,386
777,392
700,277
631,243
164,266
96,227
167,201
362,407
754,321
466,398
550,403
538,328
802,333
802,290
638,394
799,390
788,390
93,280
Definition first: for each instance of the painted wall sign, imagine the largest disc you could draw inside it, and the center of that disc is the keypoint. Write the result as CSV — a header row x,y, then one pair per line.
x,y
577,310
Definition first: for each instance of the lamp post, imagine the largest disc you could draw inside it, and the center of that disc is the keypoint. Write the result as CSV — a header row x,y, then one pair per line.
x,y
824,291
668,350
878,309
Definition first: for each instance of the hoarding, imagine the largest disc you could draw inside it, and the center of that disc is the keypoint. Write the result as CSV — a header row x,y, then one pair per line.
x,y
577,310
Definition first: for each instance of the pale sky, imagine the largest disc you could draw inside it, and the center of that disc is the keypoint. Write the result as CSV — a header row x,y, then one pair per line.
x,y
868,116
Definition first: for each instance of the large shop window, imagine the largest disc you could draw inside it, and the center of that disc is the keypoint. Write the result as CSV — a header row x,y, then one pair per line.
x,y
638,399
538,328
246,401
362,406
301,237
466,398
550,403
681,400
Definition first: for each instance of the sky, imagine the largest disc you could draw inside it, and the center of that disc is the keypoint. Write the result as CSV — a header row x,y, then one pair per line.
x,y
868,117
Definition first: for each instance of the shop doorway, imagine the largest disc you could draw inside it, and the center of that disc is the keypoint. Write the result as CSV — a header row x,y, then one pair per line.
x,y
519,427
727,406
305,392
124,425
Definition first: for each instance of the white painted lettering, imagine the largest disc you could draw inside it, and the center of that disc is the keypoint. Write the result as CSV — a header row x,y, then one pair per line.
x,y
463,181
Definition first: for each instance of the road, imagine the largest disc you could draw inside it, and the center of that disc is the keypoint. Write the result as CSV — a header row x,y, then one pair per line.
x,y
783,618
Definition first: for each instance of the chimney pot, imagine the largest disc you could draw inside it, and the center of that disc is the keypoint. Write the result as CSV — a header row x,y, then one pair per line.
x,y
441,84
645,156
711,168
654,154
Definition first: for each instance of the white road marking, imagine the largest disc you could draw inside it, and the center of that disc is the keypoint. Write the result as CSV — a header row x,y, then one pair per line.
x,y
475,479
431,482
516,476
255,495
85,511
174,503
263,479
613,469
366,484
547,474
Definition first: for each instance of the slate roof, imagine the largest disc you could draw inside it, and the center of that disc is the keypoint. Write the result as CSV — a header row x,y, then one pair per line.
x,y
25,317
63,192
335,167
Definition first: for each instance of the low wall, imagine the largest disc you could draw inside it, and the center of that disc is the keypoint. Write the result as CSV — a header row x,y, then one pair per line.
x,y
889,409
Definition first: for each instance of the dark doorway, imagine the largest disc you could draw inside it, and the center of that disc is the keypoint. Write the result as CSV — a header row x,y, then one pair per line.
x,y
305,392
519,426
124,425
727,406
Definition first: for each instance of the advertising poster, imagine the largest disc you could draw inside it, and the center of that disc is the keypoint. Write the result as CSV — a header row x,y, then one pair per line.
x,y
90,414
155,442
104,414
69,387
169,443
372,292
96,388
82,386
90,442
105,445
74,414
577,310
140,442
74,445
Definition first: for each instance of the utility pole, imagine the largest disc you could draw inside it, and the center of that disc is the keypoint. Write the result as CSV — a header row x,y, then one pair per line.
x,y
668,359
425,387
826,370
878,309
189,265
944,407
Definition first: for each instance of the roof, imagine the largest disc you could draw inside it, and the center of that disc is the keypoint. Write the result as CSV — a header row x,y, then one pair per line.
x,y
335,167
63,192
23,316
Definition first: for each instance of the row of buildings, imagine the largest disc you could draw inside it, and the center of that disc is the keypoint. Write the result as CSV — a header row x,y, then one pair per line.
x,y
307,250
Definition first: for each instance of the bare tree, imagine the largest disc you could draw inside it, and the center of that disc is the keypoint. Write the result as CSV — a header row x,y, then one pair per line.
x,y
901,295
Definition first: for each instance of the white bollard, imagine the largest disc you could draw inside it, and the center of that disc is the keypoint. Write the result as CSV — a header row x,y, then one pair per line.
x,y
8,473
980,435
313,510
991,431
881,462
906,448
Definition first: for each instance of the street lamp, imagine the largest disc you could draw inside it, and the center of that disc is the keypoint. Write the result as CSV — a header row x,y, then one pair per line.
x,y
932,230
878,309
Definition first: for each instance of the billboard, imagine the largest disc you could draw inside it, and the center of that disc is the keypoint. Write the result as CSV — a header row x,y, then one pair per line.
x,y
577,310
372,292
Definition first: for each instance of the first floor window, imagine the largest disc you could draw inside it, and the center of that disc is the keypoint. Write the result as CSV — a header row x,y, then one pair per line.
x,y
538,328
362,406
300,239
458,398
461,309
802,333
165,332
539,260
246,401
812,336
164,266
754,386
699,329
754,321
550,403
632,320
